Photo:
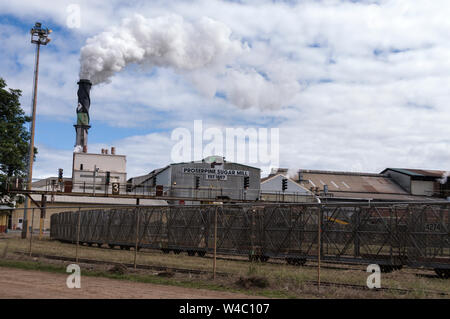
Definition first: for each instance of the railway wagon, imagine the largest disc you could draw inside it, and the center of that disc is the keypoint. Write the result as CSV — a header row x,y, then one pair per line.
x,y
391,235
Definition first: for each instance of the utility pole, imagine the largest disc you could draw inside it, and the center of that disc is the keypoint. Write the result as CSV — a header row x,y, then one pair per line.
x,y
96,169
39,36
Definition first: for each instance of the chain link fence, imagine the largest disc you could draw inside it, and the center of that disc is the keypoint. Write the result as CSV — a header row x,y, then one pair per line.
x,y
391,235
294,240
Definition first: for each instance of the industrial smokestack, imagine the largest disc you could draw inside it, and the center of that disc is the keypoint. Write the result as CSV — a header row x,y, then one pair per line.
x,y
84,103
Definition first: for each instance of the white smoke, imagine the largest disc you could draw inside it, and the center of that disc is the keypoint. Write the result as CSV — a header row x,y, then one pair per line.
x,y
444,177
292,173
78,149
246,88
205,51
166,41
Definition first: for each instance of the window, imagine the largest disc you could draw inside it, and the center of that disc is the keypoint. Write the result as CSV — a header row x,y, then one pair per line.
x,y
81,167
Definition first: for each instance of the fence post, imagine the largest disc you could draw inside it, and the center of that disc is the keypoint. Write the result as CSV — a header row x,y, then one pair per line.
x,y
137,237
78,234
41,221
215,244
319,226
32,225
357,221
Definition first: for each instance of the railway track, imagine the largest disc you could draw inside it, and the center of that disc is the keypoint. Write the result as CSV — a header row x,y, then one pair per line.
x,y
273,261
419,239
281,261
128,265
324,265
224,274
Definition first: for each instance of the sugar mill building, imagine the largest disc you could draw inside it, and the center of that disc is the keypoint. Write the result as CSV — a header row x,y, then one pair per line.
x,y
98,172
59,203
212,178
421,182
334,186
91,174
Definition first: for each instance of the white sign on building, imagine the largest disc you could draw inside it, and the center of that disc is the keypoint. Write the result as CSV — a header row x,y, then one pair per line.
x,y
215,171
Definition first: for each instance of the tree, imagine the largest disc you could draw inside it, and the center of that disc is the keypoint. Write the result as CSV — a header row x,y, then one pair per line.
x,y
14,138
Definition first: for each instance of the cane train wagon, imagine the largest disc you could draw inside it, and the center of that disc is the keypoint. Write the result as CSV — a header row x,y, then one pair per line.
x,y
388,234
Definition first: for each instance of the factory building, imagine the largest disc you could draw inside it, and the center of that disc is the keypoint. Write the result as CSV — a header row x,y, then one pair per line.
x,y
335,186
97,173
281,188
5,218
421,182
212,178
59,203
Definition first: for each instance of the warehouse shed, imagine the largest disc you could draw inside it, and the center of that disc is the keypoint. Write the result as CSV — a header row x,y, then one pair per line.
x,y
421,182
212,178
335,186
272,190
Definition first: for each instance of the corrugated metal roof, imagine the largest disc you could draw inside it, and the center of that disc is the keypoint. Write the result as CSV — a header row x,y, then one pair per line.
x,y
352,183
417,172
100,200
311,171
380,196
47,181
139,180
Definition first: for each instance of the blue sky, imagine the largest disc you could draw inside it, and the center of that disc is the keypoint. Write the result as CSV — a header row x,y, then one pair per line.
x,y
352,85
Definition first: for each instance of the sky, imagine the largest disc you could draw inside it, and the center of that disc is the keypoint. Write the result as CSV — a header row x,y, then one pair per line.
x,y
351,85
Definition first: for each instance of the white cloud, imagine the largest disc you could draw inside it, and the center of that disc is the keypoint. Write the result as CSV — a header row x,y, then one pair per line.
x,y
363,85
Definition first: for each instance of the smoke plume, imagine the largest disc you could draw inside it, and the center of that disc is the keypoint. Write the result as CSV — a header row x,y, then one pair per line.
x,y
444,178
166,41
204,51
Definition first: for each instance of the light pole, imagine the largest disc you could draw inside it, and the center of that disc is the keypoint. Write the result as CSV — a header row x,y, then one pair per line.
x,y
39,36
96,169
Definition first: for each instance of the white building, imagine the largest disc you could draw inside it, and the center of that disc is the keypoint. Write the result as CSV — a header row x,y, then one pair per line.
x,y
90,171
272,189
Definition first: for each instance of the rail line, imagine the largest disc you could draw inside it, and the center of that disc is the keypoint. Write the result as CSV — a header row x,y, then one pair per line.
x,y
280,261
391,235
128,265
223,274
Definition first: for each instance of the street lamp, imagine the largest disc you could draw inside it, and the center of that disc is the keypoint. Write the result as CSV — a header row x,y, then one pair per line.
x,y
39,36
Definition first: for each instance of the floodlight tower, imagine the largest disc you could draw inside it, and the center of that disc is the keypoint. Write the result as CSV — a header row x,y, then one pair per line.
x,y
39,36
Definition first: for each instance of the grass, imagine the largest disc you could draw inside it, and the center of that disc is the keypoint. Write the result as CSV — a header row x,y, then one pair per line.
x,y
39,266
286,281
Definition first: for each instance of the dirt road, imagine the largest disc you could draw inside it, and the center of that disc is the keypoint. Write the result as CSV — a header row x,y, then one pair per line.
x,y
17,283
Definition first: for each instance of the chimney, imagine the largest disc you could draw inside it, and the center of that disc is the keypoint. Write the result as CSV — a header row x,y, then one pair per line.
x,y
113,150
84,103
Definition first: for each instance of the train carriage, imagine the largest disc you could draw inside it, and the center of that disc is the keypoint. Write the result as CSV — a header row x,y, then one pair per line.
x,y
390,234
